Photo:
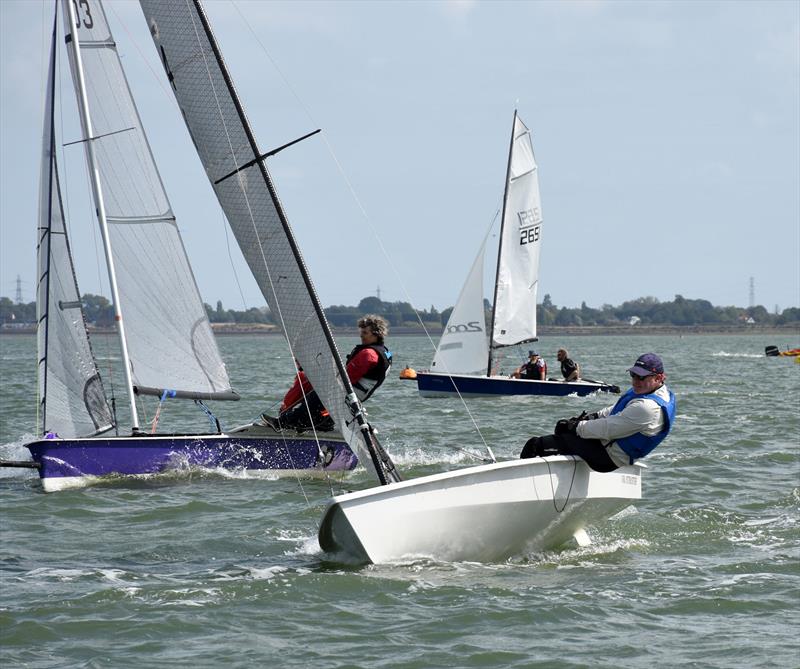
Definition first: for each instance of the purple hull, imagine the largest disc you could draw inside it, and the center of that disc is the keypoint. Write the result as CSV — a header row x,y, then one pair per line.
x,y
63,462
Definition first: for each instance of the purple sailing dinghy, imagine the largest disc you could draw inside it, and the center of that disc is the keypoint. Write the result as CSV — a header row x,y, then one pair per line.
x,y
166,343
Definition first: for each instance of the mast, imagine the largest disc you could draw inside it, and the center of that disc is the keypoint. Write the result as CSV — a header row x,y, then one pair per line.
x,y
500,244
71,37
47,232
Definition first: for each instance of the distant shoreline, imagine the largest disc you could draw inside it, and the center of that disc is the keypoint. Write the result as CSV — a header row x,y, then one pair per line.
x,y
232,329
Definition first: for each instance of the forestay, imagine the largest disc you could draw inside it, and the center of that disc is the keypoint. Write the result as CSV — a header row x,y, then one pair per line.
x,y
518,263
71,397
225,143
169,338
462,347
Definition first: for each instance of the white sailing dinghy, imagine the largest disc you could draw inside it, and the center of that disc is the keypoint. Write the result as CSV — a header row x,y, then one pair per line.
x,y
486,513
464,360
495,511
166,342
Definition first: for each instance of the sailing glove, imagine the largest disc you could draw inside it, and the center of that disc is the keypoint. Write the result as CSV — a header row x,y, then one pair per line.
x,y
570,425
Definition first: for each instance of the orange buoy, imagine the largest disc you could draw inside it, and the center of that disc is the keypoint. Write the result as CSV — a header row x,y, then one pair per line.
x,y
408,373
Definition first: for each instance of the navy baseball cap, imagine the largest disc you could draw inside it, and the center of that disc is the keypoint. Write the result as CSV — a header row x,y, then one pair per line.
x,y
647,364
530,353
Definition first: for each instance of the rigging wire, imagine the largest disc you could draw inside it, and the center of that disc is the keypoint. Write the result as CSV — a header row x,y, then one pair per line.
x,y
362,210
42,97
230,256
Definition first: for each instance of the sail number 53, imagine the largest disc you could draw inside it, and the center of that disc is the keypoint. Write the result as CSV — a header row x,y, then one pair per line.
x,y
88,21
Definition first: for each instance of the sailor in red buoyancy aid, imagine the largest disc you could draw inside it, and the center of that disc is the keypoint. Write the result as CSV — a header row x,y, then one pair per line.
x,y
368,365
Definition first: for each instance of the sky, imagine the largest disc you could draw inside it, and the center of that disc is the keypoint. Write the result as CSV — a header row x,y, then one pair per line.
x,y
667,136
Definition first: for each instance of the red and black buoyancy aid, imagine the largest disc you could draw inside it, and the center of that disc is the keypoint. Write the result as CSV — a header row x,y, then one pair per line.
x,y
372,380
531,369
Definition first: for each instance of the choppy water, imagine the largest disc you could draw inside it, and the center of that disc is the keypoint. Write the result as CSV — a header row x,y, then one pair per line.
x,y
204,569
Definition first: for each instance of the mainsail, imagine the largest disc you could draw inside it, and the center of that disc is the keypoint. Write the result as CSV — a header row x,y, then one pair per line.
x,y
517,284
235,166
168,336
462,348
72,400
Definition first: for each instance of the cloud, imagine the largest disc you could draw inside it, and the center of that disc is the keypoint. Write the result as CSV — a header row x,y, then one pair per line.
x,y
712,172
781,50
458,10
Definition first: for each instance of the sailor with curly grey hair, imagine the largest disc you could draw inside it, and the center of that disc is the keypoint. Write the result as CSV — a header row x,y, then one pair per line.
x,y
368,365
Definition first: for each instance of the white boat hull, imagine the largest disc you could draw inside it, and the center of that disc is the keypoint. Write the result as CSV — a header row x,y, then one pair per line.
x,y
485,514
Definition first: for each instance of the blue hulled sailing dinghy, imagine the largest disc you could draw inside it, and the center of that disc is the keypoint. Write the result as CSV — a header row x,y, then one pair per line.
x,y
465,361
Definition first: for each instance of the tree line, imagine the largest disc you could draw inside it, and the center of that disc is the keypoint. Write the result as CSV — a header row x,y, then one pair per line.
x,y
644,310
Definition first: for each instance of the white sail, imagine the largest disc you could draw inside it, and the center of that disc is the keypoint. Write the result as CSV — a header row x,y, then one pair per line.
x,y
72,400
520,243
463,346
168,335
235,166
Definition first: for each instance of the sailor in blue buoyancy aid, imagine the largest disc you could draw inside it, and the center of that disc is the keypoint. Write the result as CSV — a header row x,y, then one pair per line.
x,y
621,433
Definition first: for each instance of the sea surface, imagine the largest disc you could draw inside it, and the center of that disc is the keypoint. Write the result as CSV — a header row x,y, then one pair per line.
x,y
214,569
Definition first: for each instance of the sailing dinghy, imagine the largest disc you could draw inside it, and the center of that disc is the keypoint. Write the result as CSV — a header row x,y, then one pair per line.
x,y
167,346
464,362
486,513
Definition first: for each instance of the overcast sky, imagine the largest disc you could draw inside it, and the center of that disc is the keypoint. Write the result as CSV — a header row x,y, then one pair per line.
x,y
667,136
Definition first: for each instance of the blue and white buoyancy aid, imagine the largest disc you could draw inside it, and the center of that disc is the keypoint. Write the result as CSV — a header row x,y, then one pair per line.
x,y
372,380
638,445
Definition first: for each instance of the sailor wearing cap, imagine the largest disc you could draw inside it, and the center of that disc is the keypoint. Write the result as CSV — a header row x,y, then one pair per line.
x,y
621,433
535,368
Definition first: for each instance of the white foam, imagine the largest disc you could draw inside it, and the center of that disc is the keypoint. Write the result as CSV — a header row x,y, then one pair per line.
x,y
724,354
65,575
267,573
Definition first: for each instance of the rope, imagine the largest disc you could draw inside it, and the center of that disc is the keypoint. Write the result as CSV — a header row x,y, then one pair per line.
x,y
572,481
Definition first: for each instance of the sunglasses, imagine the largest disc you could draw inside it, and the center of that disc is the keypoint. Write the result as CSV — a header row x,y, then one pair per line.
x,y
634,375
